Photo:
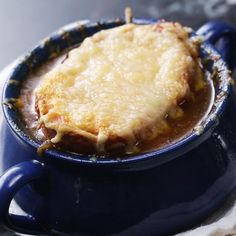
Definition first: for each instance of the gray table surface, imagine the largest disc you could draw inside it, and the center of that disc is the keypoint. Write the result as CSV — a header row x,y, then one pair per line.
x,y
24,22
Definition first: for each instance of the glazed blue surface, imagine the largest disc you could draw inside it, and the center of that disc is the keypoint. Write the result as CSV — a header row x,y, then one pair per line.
x,y
73,34
149,194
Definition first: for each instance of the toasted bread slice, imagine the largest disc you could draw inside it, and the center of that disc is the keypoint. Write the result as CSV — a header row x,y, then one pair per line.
x,y
114,91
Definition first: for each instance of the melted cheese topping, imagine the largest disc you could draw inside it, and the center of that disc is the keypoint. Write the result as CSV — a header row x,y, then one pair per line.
x,y
119,83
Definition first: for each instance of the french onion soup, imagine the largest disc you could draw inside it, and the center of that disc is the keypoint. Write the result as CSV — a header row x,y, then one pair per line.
x,y
124,90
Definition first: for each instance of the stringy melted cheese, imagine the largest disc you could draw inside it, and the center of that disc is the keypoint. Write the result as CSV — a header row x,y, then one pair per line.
x,y
120,82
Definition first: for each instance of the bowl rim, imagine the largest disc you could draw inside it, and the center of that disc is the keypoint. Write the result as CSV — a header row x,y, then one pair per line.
x,y
161,155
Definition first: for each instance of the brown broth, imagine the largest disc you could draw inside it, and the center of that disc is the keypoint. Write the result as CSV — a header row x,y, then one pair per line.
x,y
29,114
194,110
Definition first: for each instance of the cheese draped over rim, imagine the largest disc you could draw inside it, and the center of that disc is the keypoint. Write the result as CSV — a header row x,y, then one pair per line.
x,y
119,85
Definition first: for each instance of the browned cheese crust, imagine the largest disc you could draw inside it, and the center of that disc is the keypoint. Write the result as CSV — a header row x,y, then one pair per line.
x,y
116,89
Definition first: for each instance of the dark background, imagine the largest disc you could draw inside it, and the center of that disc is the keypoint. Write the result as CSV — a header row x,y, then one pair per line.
x,y
24,22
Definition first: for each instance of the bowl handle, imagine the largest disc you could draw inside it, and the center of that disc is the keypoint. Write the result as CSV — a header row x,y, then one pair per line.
x,y
10,182
223,36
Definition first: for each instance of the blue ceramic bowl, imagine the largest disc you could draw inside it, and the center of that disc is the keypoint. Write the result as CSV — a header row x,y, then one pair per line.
x,y
153,193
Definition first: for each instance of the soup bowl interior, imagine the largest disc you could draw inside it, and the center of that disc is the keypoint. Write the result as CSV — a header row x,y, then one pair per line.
x,y
71,35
